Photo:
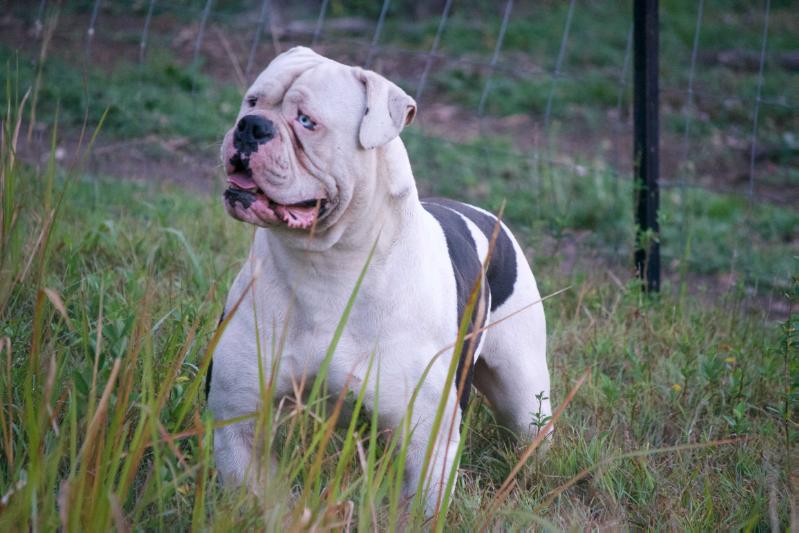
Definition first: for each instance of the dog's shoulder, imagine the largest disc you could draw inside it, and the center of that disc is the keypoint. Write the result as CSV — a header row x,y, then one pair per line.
x,y
502,268
461,245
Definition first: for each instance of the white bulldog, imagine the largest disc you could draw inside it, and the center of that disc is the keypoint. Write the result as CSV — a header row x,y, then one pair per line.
x,y
315,161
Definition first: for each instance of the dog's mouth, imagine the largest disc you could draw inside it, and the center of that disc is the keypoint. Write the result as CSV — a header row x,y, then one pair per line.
x,y
243,190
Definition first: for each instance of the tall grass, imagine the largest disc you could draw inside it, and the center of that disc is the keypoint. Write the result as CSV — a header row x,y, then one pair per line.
x,y
113,450
109,298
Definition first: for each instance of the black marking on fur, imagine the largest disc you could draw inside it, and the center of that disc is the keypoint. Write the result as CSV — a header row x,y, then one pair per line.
x,y
211,364
502,268
208,378
245,198
307,203
240,164
467,269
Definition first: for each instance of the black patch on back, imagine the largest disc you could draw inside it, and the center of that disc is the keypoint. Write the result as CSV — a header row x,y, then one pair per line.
x,y
211,364
467,269
502,271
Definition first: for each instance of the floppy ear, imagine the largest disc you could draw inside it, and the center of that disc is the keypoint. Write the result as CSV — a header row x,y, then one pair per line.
x,y
388,110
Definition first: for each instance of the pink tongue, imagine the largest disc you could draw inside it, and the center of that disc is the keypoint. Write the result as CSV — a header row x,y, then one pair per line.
x,y
297,217
242,181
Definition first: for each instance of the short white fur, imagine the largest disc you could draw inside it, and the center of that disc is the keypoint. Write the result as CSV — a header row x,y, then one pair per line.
x,y
405,308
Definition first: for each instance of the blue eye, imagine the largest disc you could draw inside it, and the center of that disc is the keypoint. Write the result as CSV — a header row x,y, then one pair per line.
x,y
306,121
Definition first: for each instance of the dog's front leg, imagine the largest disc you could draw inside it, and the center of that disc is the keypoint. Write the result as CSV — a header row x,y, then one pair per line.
x,y
238,459
442,458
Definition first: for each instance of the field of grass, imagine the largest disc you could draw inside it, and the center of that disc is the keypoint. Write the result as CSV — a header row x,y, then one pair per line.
x,y
701,229
111,290
110,296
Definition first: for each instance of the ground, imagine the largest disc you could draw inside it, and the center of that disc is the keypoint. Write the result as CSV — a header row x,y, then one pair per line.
x,y
110,289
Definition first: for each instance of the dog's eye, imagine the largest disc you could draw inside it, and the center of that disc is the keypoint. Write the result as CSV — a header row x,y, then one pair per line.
x,y
306,121
252,100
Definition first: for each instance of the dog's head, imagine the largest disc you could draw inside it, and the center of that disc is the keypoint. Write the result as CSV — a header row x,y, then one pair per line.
x,y
308,141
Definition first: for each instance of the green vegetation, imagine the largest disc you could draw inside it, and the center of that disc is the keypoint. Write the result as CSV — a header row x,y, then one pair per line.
x,y
134,291
595,53
110,297
701,231
110,292
161,98
700,228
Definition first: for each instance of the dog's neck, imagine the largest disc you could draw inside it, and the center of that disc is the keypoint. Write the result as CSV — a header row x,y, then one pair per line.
x,y
381,218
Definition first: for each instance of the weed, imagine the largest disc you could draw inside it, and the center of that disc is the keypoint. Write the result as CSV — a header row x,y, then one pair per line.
x,y
539,420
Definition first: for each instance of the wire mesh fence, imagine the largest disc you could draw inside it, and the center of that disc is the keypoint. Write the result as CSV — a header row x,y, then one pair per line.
x,y
529,101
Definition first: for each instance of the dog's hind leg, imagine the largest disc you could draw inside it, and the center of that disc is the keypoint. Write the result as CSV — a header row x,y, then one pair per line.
x,y
512,369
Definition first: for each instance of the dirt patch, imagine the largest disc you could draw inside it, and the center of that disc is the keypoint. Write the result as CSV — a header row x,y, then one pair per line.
x,y
170,161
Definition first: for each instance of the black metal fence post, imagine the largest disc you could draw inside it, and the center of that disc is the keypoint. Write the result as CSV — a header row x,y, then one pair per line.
x,y
646,157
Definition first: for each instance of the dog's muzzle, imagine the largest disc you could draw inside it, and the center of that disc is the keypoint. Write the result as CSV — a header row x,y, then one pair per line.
x,y
245,199
252,131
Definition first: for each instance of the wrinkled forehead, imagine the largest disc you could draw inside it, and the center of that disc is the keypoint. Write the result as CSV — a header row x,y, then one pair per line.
x,y
297,69
331,86
273,82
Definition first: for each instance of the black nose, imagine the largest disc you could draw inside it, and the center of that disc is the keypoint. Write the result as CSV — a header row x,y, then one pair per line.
x,y
251,131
